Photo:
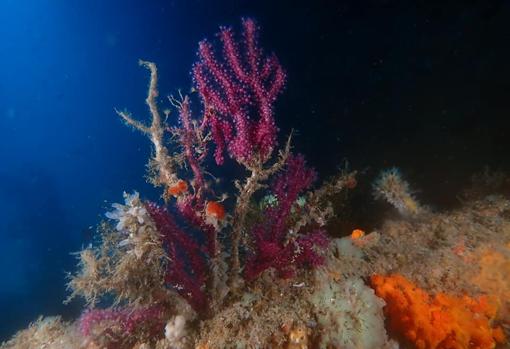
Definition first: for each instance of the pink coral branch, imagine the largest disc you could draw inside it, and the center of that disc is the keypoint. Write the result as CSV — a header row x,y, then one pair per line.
x,y
286,187
240,93
189,211
188,138
187,280
275,246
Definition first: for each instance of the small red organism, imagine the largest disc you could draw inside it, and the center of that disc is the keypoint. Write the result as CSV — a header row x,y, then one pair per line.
x,y
178,188
357,234
215,210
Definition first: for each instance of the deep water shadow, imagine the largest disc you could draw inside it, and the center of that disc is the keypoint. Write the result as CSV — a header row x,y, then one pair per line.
x,y
35,249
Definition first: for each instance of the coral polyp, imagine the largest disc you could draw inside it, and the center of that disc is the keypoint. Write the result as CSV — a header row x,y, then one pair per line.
x,y
391,187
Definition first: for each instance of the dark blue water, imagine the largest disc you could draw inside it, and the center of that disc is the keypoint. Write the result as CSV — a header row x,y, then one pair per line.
x,y
420,86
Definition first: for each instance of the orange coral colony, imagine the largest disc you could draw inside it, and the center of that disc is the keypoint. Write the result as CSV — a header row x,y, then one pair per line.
x,y
177,189
215,210
441,321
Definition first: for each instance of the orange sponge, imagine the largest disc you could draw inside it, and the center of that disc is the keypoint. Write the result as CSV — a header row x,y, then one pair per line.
x,y
178,188
441,321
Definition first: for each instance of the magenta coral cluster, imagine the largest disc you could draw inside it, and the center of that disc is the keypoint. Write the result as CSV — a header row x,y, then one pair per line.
x,y
276,246
239,91
208,247
238,87
187,267
128,320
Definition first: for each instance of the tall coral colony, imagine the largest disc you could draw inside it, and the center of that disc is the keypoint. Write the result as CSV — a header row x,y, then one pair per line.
x,y
204,269
191,262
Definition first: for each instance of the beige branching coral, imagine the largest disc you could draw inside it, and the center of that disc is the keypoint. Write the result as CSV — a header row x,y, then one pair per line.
x,y
259,174
317,204
163,164
128,263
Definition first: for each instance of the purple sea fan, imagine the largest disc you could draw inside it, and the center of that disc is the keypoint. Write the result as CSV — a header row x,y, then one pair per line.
x,y
238,92
187,267
275,244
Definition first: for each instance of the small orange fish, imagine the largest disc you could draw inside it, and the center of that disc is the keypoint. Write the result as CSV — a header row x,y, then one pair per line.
x,y
178,188
215,210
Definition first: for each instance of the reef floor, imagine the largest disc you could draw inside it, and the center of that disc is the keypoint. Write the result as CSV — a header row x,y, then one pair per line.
x,y
438,280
